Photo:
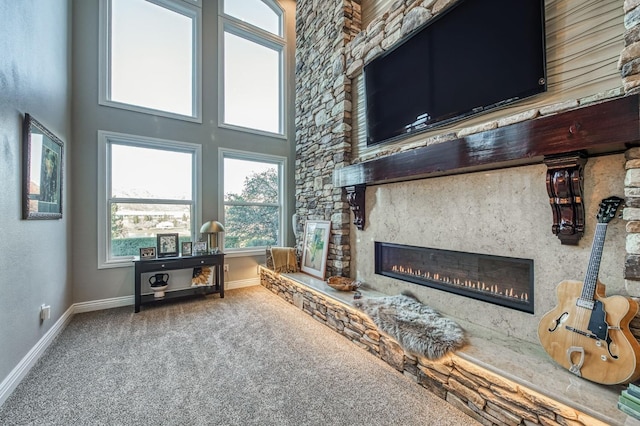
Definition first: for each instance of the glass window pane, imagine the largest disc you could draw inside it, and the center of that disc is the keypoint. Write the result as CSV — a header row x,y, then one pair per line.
x,y
250,181
254,12
138,172
251,84
250,226
136,225
151,56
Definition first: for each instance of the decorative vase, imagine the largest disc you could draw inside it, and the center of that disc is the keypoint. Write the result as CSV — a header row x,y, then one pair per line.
x,y
159,283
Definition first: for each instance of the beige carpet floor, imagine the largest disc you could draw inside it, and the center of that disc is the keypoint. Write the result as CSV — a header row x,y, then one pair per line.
x,y
247,359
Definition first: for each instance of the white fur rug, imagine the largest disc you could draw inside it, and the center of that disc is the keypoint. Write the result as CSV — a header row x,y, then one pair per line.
x,y
417,327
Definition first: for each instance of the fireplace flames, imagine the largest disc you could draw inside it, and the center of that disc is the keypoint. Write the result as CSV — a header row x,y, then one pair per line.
x,y
479,286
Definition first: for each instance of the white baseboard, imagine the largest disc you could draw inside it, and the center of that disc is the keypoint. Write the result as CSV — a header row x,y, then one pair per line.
x,y
20,371
232,285
98,305
117,302
14,378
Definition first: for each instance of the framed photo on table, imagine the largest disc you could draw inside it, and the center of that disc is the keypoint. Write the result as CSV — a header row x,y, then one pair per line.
x,y
200,247
167,245
42,171
147,253
315,247
187,248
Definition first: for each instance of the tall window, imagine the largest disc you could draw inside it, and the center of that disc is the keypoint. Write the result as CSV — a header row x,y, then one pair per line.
x,y
252,65
147,186
150,57
253,204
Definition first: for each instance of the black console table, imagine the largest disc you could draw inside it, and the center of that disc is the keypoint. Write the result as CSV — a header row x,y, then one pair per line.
x,y
172,263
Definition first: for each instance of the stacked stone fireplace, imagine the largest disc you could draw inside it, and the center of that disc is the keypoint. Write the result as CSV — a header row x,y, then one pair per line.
x,y
502,212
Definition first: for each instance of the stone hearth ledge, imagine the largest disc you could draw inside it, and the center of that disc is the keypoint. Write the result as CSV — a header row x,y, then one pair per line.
x,y
497,379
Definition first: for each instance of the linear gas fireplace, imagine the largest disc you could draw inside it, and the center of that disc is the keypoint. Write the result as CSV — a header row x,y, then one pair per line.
x,y
504,281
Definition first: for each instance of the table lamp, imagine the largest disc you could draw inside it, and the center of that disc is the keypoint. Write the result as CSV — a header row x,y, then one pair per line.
x,y
211,229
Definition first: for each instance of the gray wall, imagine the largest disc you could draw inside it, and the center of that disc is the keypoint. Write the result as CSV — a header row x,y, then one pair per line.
x,y
89,117
35,254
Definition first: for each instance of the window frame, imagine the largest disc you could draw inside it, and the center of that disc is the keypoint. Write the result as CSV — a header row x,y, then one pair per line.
x,y
281,162
105,139
189,8
251,33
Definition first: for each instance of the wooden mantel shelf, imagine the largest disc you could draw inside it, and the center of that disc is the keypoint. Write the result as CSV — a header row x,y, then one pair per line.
x,y
605,128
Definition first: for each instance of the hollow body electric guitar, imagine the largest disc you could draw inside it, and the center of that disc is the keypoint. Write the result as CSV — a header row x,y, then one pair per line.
x,y
588,333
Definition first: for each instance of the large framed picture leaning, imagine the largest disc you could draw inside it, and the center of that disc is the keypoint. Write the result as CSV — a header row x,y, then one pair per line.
x,y
315,247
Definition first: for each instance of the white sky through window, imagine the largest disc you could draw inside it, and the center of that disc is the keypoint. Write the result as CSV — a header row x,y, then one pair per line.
x,y
151,56
251,84
254,12
150,173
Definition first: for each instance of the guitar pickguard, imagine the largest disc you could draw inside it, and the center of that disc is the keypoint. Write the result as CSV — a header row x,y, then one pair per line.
x,y
598,329
598,325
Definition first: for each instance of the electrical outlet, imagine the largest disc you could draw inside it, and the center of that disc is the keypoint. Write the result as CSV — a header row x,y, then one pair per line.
x,y
45,312
226,267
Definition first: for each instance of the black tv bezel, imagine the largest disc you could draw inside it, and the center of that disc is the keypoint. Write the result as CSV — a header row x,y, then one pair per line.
x,y
541,88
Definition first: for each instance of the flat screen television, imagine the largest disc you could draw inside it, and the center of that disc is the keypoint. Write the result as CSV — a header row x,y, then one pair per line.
x,y
476,56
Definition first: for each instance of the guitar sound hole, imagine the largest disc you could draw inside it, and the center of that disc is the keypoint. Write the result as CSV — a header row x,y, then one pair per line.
x,y
562,318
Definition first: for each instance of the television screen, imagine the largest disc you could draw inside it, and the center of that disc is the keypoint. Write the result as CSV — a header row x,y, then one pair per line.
x,y
476,56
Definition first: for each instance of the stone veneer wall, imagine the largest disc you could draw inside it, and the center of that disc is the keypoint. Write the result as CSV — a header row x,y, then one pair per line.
x,y
629,65
488,397
332,48
323,118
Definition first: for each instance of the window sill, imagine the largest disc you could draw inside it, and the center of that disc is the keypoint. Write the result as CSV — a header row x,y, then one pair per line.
x,y
150,111
120,263
249,130
245,253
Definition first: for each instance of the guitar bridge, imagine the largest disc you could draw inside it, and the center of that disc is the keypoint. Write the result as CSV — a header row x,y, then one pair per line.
x,y
583,333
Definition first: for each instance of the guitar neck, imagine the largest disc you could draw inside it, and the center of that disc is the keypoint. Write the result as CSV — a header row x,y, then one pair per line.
x,y
590,280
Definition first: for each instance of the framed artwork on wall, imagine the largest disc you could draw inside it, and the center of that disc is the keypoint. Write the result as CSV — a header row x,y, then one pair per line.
x,y
315,247
42,166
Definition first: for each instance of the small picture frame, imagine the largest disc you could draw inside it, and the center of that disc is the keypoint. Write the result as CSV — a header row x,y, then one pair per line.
x,y
315,247
167,245
200,247
187,248
147,253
